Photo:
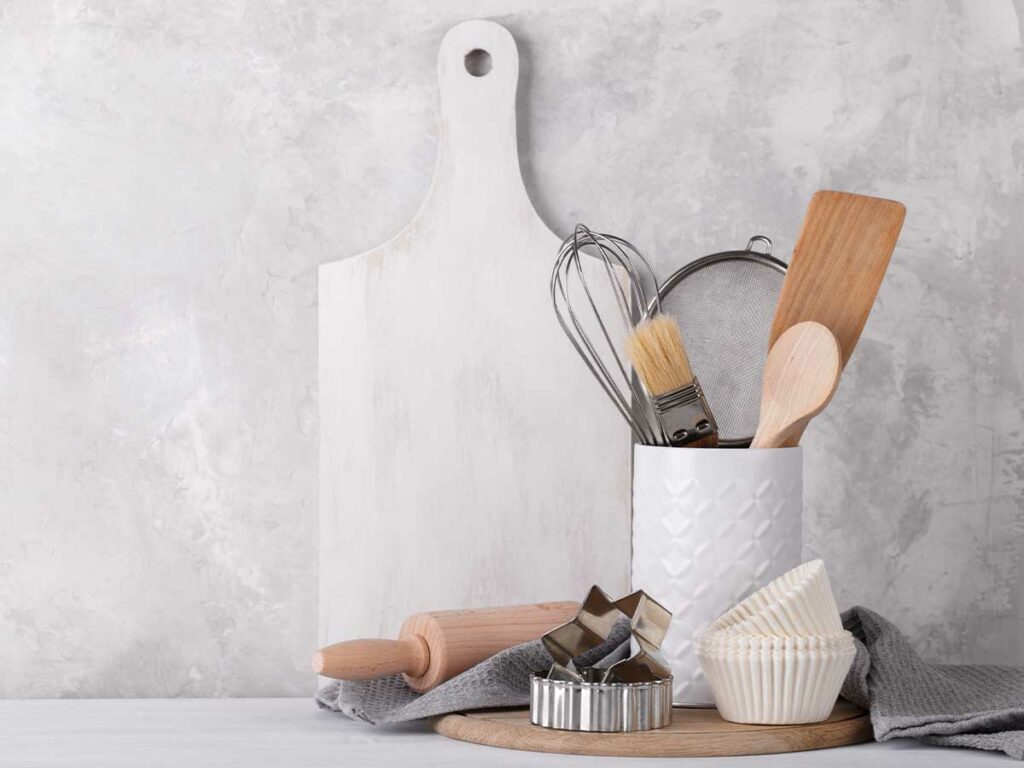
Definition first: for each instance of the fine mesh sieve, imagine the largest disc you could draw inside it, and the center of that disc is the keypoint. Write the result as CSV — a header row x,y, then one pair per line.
x,y
724,304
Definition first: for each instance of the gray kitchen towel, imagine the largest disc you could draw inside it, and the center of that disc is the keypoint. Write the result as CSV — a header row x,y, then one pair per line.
x,y
501,681
962,706
950,705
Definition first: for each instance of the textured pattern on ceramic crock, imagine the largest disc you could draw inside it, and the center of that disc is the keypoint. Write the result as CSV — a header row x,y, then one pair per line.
x,y
710,528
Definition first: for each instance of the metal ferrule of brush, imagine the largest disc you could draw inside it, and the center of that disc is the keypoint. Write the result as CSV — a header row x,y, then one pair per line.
x,y
684,414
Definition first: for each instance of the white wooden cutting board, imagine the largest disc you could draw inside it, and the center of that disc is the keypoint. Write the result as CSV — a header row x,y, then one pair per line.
x,y
467,456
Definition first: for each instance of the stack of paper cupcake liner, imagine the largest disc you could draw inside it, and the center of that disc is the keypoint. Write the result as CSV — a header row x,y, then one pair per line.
x,y
781,655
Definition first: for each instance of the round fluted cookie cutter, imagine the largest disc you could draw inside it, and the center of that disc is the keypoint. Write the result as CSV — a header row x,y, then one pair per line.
x,y
597,707
630,694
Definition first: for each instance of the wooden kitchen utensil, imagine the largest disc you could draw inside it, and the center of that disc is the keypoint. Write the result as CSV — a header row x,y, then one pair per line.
x,y
693,733
800,376
434,647
452,410
838,263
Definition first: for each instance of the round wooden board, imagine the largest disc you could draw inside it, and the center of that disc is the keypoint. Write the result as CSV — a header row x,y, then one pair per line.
x,y
692,733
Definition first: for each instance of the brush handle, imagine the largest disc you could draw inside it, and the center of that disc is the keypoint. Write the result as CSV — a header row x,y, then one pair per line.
x,y
372,658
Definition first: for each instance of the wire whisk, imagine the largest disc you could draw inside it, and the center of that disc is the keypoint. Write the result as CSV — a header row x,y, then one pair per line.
x,y
624,268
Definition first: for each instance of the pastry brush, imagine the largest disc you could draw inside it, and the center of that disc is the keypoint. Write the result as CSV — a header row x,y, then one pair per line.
x,y
659,357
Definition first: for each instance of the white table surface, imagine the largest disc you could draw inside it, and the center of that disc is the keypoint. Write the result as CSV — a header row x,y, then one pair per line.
x,y
193,733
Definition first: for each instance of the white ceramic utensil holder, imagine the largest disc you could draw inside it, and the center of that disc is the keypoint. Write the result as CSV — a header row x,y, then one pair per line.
x,y
711,526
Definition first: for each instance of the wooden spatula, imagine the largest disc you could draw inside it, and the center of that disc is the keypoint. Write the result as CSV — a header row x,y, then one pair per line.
x,y
838,263
800,376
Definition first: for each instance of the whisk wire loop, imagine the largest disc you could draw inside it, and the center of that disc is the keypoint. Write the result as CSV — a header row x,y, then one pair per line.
x,y
621,263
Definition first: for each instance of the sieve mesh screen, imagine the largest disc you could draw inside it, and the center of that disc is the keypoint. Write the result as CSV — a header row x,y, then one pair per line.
x,y
725,312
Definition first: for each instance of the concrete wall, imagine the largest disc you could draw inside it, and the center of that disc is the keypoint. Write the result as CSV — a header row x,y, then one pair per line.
x,y
171,175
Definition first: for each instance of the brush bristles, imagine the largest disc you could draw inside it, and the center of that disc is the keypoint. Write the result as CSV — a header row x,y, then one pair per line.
x,y
658,355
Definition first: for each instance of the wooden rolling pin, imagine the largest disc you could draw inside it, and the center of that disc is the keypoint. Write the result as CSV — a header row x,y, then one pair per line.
x,y
434,647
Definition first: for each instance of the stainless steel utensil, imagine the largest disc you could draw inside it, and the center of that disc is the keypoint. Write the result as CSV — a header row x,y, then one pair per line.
x,y
622,269
724,304
632,694
600,707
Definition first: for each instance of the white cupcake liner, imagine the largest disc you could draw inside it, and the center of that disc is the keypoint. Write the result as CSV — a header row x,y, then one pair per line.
x,y
722,642
775,680
798,603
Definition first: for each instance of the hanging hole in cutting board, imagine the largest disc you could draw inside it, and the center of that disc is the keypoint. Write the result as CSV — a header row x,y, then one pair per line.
x,y
478,62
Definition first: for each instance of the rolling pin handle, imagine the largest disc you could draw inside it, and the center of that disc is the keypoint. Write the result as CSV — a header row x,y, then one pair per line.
x,y
370,659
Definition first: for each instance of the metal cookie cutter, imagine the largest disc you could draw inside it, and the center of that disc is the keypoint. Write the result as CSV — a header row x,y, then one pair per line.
x,y
633,694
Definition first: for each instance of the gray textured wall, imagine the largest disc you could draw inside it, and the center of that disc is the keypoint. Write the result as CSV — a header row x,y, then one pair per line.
x,y
171,175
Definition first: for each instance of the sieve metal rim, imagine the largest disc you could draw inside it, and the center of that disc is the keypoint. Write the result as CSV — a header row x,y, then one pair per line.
x,y
758,257
763,258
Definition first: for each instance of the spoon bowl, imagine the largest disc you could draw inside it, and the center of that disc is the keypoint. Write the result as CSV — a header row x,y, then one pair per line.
x,y
800,377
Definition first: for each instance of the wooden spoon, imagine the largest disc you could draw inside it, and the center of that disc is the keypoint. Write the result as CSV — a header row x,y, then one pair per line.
x,y
800,376
838,264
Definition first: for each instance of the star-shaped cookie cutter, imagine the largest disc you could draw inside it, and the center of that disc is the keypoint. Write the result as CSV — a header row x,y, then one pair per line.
x,y
648,623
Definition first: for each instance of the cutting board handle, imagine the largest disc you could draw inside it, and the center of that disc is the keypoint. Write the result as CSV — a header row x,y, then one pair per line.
x,y
478,72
